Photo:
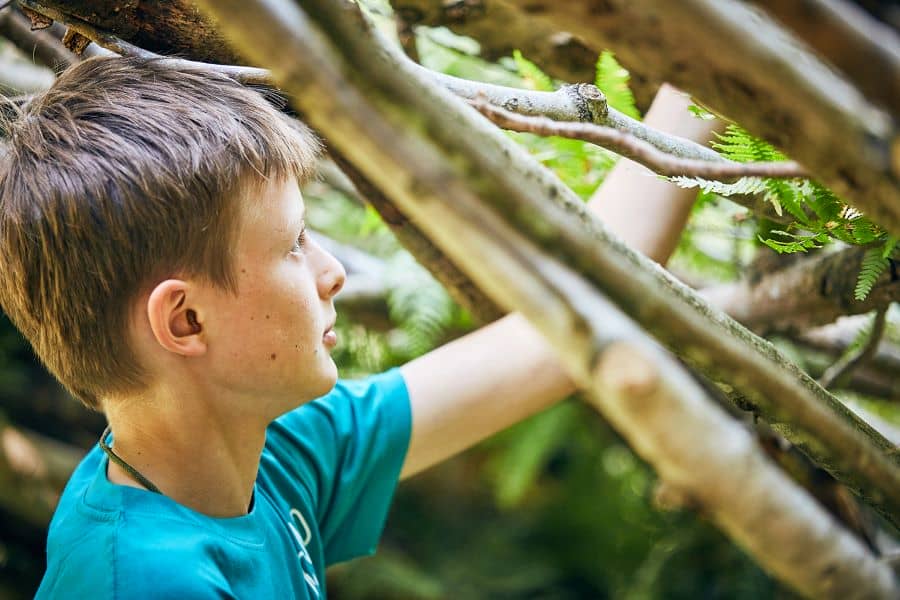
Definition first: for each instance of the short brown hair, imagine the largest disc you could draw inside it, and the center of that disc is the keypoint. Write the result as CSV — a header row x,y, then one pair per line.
x,y
124,172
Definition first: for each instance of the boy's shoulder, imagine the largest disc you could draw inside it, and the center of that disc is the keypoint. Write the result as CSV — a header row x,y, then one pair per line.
x,y
112,541
326,476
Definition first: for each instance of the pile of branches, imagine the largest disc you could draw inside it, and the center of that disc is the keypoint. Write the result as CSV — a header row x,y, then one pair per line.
x,y
504,234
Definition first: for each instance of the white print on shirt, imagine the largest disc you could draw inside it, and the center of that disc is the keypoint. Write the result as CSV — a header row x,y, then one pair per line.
x,y
310,576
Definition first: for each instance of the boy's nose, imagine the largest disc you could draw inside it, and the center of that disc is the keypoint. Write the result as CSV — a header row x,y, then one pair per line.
x,y
331,276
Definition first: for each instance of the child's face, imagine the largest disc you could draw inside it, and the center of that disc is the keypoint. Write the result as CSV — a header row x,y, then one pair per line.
x,y
272,340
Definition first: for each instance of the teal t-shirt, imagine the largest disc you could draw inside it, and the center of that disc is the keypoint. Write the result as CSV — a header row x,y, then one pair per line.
x,y
326,478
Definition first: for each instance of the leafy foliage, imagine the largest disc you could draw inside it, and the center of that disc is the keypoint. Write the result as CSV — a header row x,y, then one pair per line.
x,y
819,217
875,262
612,79
531,75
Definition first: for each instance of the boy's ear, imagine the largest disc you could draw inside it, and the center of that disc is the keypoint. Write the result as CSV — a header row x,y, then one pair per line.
x,y
176,324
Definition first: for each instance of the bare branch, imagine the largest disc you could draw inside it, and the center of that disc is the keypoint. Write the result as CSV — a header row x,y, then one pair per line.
x,y
637,150
41,45
866,51
845,366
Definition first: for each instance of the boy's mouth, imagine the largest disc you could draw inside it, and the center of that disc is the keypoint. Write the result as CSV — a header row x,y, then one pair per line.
x,y
329,338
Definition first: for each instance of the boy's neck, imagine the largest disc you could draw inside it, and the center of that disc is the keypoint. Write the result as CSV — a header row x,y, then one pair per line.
x,y
197,458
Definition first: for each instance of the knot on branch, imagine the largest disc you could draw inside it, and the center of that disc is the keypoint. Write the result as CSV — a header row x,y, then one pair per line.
x,y
625,371
589,101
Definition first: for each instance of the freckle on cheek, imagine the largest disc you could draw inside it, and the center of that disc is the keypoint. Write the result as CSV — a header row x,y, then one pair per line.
x,y
267,316
272,356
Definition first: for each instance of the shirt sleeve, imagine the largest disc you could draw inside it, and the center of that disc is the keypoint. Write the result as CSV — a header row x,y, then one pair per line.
x,y
346,449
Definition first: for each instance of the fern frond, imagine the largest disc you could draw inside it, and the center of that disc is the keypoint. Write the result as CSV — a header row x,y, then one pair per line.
x,y
418,304
873,265
744,185
531,73
738,145
612,79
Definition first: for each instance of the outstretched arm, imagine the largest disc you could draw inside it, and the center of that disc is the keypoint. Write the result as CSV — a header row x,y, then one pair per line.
x,y
488,380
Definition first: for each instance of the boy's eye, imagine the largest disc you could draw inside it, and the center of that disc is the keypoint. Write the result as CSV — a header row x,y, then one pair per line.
x,y
301,241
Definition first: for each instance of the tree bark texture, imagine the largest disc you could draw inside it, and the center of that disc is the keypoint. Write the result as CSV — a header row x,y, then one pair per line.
x,y
637,385
805,294
866,51
501,28
172,27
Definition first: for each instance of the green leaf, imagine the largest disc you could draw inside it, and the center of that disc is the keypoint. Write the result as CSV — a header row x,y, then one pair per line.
x,y
612,79
532,74
530,445
873,265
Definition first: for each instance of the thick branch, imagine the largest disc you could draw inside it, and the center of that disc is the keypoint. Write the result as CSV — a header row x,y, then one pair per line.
x,y
171,27
33,471
847,364
803,294
45,48
866,51
636,149
637,385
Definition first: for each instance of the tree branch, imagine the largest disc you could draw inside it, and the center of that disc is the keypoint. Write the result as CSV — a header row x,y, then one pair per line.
x,y
33,471
23,78
637,385
636,149
866,51
747,68
41,45
245,75
846,365
501,28
804,294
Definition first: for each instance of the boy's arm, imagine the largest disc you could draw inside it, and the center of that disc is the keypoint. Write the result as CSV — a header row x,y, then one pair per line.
x,y
488,380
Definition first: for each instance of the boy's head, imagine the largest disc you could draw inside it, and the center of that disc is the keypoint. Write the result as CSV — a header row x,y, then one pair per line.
x,y
124,174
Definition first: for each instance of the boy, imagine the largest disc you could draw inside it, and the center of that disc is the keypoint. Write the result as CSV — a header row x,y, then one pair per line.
x,y
154,253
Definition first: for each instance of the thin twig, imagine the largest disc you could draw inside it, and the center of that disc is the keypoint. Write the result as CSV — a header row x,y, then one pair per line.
x,y
637,149
845,366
